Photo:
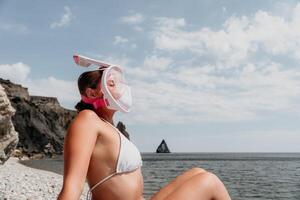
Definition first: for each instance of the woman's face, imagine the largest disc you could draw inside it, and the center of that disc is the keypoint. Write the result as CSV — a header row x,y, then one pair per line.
x,y
115,87
112,86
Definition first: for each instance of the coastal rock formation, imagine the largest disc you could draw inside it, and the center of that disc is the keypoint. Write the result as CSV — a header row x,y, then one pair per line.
x,y
40,121
163,147
8,135
122,129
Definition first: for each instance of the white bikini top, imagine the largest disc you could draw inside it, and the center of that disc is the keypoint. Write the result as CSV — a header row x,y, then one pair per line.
x,y
129,158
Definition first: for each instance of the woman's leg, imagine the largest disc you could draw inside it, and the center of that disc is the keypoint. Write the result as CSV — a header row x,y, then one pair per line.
x,y
203,186
177,182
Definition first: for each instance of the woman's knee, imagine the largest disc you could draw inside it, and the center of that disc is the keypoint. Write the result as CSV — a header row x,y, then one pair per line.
x,y
208,179
208,186
213,185
196,170
187,174
200,186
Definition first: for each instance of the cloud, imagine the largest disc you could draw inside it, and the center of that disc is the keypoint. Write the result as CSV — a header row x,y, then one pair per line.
x,y
120,40
237,40
133,46
170,23
65,91
245,70
138,29
154,62
224,9
185,94
207,74
17,72
16,28
64,20
133,19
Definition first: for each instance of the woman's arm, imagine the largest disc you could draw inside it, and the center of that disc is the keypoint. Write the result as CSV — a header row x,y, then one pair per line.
x,y
78,147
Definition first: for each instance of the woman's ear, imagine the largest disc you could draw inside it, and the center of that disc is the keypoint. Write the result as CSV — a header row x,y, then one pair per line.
x,y
90,93
100,94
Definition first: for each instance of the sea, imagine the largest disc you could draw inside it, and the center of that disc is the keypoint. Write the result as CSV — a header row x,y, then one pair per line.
x,y
247,176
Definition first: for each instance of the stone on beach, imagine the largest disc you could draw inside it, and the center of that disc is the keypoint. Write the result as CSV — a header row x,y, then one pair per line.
x,y
19,182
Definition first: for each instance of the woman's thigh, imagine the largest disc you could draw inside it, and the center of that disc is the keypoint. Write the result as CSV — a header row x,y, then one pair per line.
x,y
177,182
195,188
204,186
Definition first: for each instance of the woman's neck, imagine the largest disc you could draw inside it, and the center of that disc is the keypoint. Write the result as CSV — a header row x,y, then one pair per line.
x,y
106,115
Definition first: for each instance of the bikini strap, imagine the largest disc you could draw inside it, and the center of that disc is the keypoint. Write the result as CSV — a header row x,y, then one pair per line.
x,y
111,125
92,188
104,119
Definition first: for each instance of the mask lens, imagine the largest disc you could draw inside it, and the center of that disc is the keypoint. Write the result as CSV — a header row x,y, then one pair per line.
x,y
116,90
115,84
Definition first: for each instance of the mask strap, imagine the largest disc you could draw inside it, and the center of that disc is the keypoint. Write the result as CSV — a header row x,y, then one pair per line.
x,y
96,102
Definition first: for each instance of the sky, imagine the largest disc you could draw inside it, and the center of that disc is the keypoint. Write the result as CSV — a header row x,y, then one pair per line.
x,y
206,76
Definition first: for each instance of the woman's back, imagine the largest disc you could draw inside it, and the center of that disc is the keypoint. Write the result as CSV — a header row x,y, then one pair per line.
x,y
104,159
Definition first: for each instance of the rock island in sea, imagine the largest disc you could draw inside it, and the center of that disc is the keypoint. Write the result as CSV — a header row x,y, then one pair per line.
x,y
163,148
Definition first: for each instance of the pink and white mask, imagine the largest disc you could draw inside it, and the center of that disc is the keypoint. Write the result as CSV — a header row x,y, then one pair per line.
x,y
116,93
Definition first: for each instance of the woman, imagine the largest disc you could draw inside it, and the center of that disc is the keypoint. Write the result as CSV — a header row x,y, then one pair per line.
x,y
96,151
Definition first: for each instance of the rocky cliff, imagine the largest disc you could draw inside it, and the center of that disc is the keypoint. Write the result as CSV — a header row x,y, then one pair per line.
x,y
40,121
8,135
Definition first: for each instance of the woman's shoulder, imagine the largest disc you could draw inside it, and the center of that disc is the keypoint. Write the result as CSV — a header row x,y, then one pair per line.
x,y
86,121
87,114
87,118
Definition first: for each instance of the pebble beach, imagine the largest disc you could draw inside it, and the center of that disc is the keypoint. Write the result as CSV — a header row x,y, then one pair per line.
x,y
19,182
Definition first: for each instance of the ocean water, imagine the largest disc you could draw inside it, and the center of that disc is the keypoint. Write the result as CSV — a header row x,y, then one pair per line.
x,y
247,176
